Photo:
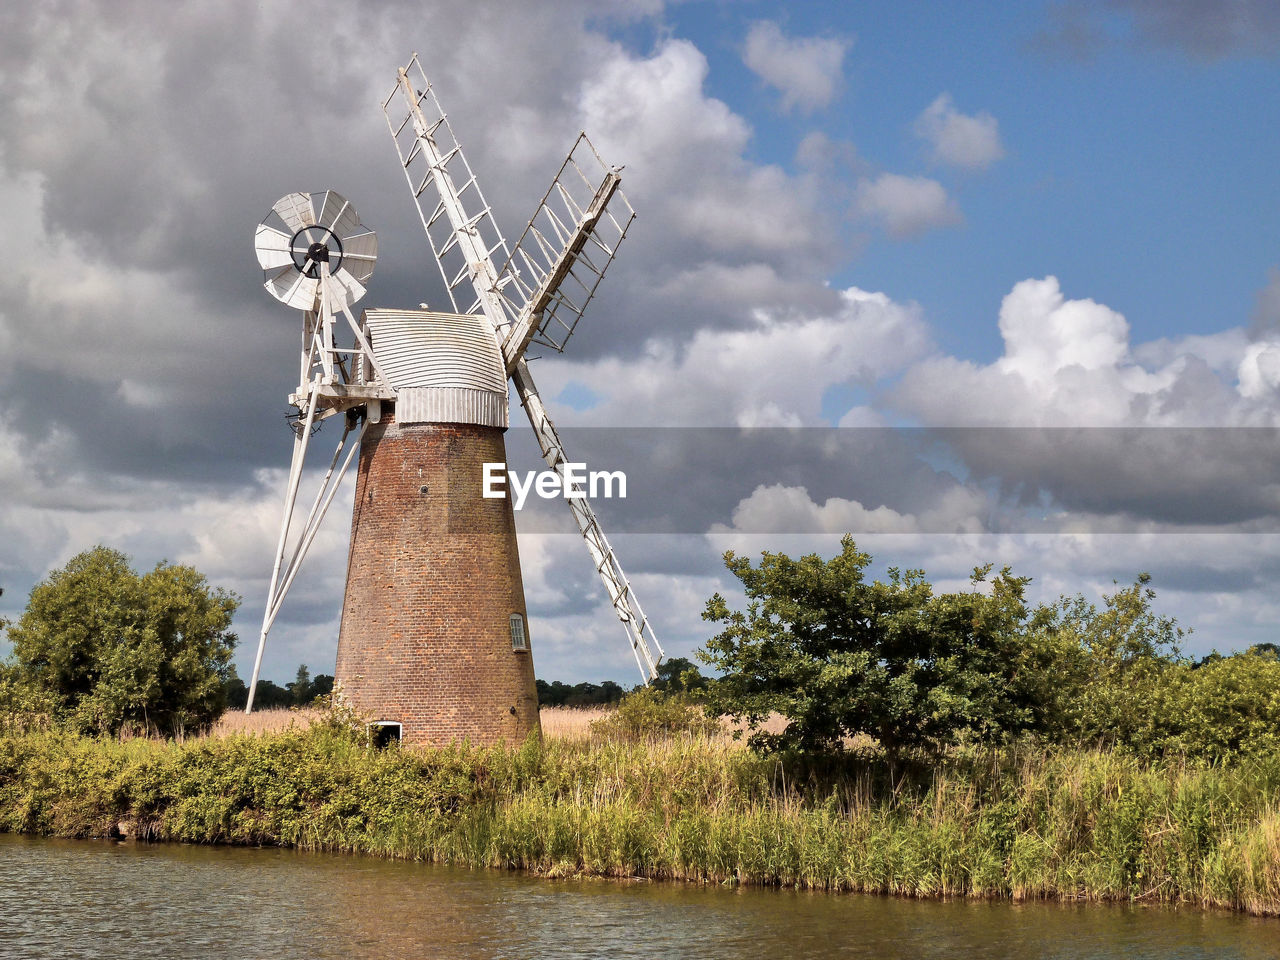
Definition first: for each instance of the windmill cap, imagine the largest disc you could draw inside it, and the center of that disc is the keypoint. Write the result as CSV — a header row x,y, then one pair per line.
x,y
444,367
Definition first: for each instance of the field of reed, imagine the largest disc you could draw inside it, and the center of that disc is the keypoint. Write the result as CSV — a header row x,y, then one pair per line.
x,y
571,723
558,723
1026,824
264,721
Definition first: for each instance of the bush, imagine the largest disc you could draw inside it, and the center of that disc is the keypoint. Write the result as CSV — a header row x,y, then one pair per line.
x,y
22,706
1112,672
1227,707
651,714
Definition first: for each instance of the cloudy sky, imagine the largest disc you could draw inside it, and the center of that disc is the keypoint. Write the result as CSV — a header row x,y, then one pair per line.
x,y
971,283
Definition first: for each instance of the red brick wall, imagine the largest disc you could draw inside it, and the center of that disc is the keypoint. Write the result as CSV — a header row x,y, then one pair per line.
x,y
433,576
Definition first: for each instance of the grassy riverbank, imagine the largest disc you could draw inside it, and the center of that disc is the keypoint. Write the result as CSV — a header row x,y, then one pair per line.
x,y
1080,825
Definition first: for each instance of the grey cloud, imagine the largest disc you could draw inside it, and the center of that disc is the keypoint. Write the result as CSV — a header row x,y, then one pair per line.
x,y
684,480
1204,29
931,480
1118,478
1207,28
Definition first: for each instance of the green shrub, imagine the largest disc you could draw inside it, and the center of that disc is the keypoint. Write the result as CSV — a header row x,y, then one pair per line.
x,y
841,656
1225,707
651,714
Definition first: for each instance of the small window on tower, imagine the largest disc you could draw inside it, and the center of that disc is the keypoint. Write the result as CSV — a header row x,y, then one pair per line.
x,y
518,639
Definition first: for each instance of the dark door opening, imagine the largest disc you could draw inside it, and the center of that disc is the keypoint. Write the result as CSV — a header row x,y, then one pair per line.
x,y
383,734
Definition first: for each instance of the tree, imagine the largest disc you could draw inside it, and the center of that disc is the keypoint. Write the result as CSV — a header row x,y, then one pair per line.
x,y
322,685
560,694
838,656
677,674
300,689
112,649
267,696
236,691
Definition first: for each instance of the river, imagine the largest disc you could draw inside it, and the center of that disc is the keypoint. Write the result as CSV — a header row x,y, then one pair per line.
x,y
79,899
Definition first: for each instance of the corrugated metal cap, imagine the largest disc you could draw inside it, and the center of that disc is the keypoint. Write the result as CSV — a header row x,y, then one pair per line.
x,y
445,367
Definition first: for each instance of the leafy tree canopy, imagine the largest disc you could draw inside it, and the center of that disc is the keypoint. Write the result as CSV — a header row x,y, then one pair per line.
x,y
840,656
108,648
560,694
1112,667
678,674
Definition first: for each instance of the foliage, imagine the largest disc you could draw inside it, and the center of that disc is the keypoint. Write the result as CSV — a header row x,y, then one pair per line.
x,y
648,713
235,690
268,696
300,689
22,706
559,694
1221,708
1079,825
839,656
1115,678
676,674
321,686
107,649
1111,670
1226,708
272,696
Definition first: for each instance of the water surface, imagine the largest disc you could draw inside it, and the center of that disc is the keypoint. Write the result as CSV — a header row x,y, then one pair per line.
x,y
74,899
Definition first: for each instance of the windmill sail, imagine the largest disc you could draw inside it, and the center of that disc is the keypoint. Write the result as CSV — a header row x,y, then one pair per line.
x,y
565,246
644,642
443,189
561,257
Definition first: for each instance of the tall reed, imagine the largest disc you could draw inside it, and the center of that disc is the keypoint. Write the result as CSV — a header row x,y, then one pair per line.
x,y
1020,824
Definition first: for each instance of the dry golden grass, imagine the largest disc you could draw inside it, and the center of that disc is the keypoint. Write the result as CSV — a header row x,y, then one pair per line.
x,y
574,723
571,723
262,721
558,723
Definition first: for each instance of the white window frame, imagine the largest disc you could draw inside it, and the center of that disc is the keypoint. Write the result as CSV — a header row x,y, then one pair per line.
x,y
519,635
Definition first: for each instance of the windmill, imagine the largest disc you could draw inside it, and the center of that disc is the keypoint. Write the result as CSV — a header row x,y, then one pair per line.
x,y
434,641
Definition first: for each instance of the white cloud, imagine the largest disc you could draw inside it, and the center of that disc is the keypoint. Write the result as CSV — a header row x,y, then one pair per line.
x,y
774,374
778,508
1260,371
907,206
700,198
1070,363
958,139
1044,333
806,70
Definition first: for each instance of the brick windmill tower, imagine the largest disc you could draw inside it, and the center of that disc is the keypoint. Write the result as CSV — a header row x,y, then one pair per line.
x,y
434,643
